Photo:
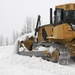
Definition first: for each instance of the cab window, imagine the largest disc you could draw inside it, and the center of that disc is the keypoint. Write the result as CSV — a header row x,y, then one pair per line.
x,y
58,16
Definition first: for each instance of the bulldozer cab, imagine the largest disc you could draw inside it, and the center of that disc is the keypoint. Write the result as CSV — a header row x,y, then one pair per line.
x,y
65,14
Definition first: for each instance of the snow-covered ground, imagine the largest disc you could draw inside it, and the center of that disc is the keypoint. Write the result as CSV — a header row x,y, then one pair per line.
x,y
14,64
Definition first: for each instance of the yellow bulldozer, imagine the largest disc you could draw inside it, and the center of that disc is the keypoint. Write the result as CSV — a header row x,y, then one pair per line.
x,y
58,36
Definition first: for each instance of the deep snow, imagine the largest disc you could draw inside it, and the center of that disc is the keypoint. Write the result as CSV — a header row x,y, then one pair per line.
x,y
14,64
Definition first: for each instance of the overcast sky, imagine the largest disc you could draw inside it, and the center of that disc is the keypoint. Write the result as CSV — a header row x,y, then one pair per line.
x,y
13,12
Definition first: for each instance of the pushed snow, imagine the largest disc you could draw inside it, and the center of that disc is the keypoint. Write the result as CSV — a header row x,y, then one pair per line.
x,y
41,48
51,49
23,38
14,64
26,36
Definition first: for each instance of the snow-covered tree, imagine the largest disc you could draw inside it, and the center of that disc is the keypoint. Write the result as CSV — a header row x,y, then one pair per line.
x,y
24,30
28,26
28,23
1,40
15,36
7,42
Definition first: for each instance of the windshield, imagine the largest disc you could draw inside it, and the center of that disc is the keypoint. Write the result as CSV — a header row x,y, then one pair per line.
x,y
58,16
70,18
70,14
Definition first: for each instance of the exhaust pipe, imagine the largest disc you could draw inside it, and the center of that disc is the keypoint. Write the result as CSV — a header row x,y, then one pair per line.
x,y
50,15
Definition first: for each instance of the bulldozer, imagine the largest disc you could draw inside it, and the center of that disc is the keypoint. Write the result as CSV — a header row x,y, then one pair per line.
x,y
58,36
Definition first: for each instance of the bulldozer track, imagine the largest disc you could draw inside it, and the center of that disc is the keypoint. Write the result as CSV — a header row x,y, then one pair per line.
x,y
64,55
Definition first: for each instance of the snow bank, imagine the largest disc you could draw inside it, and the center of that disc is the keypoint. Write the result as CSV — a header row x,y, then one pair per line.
x,y
6,50
24,37
14,64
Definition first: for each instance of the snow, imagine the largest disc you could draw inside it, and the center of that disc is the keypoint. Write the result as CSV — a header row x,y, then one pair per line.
x,y
23,48
23,38
40,48
26,36
14,64
51,49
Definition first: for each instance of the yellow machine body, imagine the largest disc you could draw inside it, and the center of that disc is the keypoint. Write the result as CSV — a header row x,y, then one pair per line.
x,y
65,35
70,6
27,43
47,29
61,31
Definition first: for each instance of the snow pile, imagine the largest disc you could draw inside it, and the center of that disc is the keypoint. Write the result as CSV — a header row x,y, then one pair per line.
x,y
22,38
14,64
41,48
6,50
51,49
26,36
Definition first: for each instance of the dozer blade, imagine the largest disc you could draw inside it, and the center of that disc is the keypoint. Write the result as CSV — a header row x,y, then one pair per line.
x,y
35,53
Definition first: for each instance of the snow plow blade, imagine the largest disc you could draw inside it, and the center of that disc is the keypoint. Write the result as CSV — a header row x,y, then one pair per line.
x,y
42,54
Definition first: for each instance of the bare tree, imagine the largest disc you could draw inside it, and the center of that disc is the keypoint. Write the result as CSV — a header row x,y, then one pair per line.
x,y
7,42
29,25
15,36
1,40
24,30
33,24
